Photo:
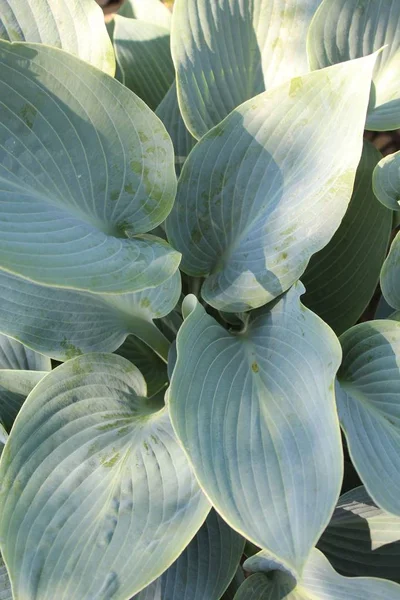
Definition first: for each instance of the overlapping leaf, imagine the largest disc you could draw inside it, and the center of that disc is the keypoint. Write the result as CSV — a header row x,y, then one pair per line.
x,y
368,398
386,181
97,496
170,114
152,367
390,275
20,370
153,11
81,179
263,191
5,584
255,413
76,26
144,59
65,323
362,539
227,52
319,582
204,569
341,279
347,29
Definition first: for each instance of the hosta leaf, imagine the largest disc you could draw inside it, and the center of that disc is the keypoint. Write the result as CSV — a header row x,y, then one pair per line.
x,y
362,539
76,26
234,585
204,569
153,369
20,370
5,585
169,113
80,177
144,58
319,582
263,191
248,409
386,181
390,275
147,10
97,496
341,279
227,52
368,398
64,323
347,29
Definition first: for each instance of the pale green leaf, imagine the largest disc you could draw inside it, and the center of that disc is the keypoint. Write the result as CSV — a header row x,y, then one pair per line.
x,y
345,29
390,275
368,398
362,539
227,52
80,177
340,280
263,191
5,585
98,498
144,58
169,113
76,26
205,568
386,181
319,582
153,369
65,323
20,370
153,11
249,408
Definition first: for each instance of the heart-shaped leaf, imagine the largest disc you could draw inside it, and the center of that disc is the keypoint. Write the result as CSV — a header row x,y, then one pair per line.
x,y
362,539
144,58
263,191
80,177
204,569
227,52
248,409
97,496
76,26
345,29
340,279
368,399
65,323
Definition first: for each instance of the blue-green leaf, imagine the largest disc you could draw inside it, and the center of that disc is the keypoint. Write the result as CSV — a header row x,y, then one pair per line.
x,y
390,275
144,58
204,569
76,26
65,323
341,278
80,177
97,496
362,539
255,413
152,367
368,398
227,52
345,29
5,584
263,191
386,181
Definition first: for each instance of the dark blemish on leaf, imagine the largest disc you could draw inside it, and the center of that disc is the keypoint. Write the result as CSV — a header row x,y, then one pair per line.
x,y
28,114
129,189
254,367
111,462
145,303
114,195
70,350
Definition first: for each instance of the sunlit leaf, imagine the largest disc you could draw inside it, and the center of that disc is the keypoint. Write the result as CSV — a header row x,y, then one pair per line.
x,y
65,323
347,29
362,539
227,52
248,408
263,191
341,279
144,58
204,569
76,26
153,11
368,398
79,177
97,496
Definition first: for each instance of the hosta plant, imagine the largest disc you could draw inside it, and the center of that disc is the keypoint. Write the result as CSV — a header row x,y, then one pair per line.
x,y
193,226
